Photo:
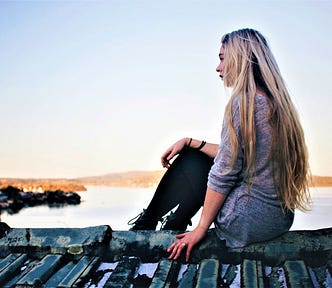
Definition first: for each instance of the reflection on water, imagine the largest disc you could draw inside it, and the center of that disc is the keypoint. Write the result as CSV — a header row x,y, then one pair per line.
x,y
115,206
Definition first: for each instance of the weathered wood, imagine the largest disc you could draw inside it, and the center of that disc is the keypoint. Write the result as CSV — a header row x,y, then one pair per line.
x,y
314,246
41,272
297,274
164,274
188,278
252,274
12,266
208,274
70,257
123,274
50,240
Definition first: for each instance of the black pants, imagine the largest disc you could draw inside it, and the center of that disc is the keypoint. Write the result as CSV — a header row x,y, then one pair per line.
x,y
183,184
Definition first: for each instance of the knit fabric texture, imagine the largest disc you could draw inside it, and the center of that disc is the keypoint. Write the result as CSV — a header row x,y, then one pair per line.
x,y
254,215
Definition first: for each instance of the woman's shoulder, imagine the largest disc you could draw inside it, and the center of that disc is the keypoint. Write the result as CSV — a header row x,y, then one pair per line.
x,y
261,99
262,102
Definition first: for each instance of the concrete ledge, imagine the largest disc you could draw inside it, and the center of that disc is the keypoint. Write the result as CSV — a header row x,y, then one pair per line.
x,y
314,246
74,257
54,240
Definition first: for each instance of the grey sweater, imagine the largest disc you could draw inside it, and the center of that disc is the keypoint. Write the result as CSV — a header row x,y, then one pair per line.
x,y
246,217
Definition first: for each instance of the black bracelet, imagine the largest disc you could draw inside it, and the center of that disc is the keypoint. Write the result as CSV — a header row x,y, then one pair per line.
x,y
201,146
188,145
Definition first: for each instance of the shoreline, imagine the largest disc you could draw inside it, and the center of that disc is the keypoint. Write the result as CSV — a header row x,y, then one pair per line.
x,y
131,179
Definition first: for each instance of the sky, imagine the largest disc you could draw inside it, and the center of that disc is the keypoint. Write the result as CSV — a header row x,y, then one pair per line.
x,y
95,87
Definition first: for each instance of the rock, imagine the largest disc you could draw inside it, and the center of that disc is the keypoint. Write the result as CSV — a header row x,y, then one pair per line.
x,y
13,199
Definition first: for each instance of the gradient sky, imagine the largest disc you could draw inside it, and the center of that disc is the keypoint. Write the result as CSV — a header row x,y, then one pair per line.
x,y
92,87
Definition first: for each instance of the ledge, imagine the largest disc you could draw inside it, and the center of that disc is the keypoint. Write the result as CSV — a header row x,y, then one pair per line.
x,y
75,257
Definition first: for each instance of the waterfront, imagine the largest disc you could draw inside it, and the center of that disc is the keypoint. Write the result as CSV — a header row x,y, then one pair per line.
x,y
114,206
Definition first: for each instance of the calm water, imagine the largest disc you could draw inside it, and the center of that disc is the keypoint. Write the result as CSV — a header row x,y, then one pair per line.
x,y
115,206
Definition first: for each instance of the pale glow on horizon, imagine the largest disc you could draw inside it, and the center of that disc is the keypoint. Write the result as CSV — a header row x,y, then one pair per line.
x,y
90,88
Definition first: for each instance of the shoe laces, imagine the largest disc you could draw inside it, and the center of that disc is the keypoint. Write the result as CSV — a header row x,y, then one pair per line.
x,y
136,218
140,215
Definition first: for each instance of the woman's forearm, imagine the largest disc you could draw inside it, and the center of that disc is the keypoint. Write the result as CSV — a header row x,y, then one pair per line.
x,y
212,204
209,149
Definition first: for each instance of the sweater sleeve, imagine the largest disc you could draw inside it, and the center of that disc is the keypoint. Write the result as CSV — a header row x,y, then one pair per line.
x,y
222,177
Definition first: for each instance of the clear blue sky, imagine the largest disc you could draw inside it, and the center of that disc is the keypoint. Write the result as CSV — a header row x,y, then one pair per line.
x,y
92,87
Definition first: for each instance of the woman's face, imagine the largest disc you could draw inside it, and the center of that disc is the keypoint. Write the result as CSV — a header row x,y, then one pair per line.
x,y
220,67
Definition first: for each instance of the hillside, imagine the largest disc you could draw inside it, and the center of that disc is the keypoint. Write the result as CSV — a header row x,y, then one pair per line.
x,y
124,179
152,178
321,181
39,185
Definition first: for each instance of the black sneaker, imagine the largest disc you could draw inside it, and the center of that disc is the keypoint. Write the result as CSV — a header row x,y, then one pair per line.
x,y
143,222
175,223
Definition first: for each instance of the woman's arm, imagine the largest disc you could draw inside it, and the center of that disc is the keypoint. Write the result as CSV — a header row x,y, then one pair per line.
x,y
212,204
209,149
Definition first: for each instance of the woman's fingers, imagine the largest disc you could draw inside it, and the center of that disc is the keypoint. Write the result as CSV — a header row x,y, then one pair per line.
x,y
176,249
167,156
189,248
172,151
164,160
180,236
186,241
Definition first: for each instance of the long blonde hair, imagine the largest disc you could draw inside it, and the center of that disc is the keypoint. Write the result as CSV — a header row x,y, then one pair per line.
x,y
249,64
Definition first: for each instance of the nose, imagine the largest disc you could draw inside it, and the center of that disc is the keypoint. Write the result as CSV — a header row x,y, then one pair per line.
x,y
218,69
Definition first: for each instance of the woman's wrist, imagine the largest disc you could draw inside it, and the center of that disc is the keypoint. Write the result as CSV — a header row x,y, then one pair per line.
x,y
187,142
192,143
202,228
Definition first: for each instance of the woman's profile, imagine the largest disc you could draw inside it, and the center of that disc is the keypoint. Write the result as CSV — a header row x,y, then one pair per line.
x,y
252,181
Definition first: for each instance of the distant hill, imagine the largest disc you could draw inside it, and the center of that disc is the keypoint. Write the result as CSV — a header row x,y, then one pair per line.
x,y
124,179
152,178
321,181
40,185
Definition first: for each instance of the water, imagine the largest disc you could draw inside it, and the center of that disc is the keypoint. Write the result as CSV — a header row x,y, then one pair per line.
x,y
103,205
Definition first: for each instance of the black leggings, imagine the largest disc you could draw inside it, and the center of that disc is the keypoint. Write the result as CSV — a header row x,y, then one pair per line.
x,y
183,184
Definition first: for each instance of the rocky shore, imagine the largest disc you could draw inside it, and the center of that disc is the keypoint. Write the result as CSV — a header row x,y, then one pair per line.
x,y
13,199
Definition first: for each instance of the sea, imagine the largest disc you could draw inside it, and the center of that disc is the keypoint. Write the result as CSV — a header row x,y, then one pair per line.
x,y
114,206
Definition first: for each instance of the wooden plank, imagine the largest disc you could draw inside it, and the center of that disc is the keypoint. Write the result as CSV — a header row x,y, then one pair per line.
x,y
123,274
252,273
188,278
208,273
56,278
161,274
297,274
172,276
75,273
41,272
8,271
94,263
8,260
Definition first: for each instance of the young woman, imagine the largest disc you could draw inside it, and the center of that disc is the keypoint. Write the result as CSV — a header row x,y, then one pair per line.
x,y
260,169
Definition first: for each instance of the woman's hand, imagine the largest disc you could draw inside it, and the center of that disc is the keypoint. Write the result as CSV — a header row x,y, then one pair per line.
x,y
173,151
186,241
